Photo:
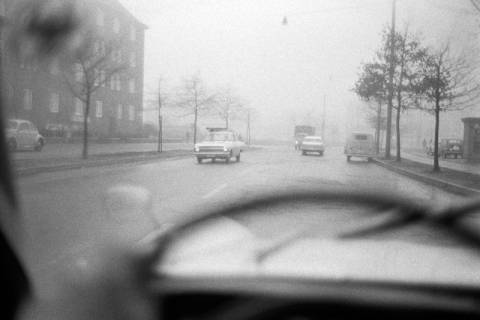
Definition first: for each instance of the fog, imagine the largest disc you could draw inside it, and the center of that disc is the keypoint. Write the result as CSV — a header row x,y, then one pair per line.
x,y
284,71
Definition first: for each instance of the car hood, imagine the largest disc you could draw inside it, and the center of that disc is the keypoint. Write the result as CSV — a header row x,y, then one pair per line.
x,y
238,253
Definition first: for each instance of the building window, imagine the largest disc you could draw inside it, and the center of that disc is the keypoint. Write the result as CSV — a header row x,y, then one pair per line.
x,y
78,107
119,83
131,113
131,86
116,25
115,82
133,33
133,60
99,109
54,102
78,72
120,112
96,77
27,99
100,18
103,78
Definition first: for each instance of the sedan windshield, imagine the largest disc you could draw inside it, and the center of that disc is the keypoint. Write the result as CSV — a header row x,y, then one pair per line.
x,y
148,112
218,136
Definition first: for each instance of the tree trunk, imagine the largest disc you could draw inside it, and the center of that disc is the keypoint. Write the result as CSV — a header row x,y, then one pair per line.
x,y
85,128
436,166
195,125
377,130
391,72
397,123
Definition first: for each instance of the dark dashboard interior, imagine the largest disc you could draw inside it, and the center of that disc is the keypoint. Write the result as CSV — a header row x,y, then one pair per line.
x,y
279,299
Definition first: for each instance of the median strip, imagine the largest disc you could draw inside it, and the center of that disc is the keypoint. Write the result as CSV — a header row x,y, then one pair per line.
x,y
35,166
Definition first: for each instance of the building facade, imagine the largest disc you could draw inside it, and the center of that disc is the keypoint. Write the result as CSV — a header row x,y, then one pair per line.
x,y
38,91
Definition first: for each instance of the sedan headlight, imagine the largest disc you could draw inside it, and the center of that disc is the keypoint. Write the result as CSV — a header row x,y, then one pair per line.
x,y
197,149
225,149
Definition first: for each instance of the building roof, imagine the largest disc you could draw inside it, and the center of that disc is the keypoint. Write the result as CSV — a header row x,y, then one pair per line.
x,y
117,5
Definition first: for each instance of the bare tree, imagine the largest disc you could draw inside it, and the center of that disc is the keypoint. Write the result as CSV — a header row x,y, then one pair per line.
x,y
94,64
194,98
449,82
410,55
228,106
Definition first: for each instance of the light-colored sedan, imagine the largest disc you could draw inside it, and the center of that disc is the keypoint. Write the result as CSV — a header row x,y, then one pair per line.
x,y
312,144
219,145
22,134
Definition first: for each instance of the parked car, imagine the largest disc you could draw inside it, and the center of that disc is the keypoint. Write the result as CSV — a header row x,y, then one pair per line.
x,y
312,144
22,134
451,146
223,144
360,145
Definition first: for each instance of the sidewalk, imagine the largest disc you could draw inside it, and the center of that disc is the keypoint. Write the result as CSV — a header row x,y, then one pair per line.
x,y
452,164
456,176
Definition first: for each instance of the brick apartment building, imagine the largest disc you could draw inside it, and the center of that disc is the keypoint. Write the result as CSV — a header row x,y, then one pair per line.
x,y
38,92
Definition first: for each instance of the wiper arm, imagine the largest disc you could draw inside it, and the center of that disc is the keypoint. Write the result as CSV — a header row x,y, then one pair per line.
x,y
449,219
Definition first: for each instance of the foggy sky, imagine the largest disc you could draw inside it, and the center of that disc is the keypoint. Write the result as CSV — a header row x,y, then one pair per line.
x,y
284,71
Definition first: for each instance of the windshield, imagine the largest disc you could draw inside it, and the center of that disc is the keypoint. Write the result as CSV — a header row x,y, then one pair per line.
x,y
133,94
219,136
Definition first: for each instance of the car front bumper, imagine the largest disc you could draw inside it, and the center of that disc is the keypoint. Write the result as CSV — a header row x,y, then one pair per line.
x,y
211,155
312,148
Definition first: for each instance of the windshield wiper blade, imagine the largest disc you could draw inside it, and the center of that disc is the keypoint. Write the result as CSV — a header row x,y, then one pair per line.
x,y
449,219
400,220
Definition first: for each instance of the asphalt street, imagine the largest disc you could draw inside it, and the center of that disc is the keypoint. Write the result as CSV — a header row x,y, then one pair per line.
x,y
65,215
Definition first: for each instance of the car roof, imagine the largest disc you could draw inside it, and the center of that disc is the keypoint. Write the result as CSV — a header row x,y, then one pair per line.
x,y
313,137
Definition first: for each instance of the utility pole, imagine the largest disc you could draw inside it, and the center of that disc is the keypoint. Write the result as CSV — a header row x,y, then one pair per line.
x,y
390,84
160,120
324,114
248,127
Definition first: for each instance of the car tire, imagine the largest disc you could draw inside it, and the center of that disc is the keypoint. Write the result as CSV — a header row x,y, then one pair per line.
x,y
348,158
304,153
227,160
199,160
39,146
238,157
12,145
320,153
369,159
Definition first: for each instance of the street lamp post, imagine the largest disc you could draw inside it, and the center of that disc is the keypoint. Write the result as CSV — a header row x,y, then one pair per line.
x,y
160,119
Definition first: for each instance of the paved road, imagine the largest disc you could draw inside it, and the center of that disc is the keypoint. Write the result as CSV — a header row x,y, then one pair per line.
x,y
64,210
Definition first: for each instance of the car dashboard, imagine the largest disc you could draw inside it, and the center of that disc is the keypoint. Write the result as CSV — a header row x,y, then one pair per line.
x,y
289,298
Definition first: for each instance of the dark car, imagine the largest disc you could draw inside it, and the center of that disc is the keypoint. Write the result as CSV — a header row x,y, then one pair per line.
x,y
452,147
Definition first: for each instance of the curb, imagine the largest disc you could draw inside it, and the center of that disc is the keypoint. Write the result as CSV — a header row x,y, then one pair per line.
x,y
449,186
138,158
